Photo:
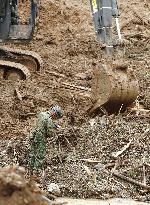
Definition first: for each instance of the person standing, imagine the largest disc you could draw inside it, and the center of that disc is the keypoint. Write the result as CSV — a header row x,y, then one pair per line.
x,y
38,137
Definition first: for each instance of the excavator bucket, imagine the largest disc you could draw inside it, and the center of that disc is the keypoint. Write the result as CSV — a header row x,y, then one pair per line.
x,y
114,87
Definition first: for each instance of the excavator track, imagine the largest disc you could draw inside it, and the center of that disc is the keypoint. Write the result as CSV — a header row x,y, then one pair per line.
x,y
30,59
13,71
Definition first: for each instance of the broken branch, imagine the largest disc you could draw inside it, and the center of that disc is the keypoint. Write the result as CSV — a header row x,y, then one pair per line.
x,y
19,96
132,181
90,160
97,161
75,86
55,74
115,155
27,114
144,175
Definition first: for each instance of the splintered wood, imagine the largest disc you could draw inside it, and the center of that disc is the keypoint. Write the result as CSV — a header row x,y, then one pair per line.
x,y
132,181
116,154
19,96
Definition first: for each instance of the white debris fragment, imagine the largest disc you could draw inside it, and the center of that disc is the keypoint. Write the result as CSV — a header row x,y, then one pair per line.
x,y
53,189
92,122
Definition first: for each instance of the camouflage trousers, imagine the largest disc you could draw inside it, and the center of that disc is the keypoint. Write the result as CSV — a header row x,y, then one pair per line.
x,y
37,152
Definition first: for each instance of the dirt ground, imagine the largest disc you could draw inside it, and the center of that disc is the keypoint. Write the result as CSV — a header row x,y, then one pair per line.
x,y
66,40
15,189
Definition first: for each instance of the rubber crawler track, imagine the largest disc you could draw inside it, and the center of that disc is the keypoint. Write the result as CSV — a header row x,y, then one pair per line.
x,y
11,54
7,66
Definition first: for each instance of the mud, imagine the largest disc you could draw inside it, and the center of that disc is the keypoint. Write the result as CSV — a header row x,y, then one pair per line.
x,y
15,189
66,41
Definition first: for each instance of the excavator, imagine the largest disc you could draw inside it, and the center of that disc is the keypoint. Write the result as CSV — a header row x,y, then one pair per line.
x,y
114,86
17,27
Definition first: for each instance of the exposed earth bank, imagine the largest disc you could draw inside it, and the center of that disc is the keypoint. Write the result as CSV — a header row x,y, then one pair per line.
x,y
66,41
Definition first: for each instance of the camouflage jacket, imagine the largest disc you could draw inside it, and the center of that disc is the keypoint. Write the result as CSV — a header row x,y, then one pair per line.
x,y
38,140
44,125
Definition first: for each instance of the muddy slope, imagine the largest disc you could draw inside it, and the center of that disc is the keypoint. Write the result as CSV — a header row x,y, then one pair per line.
x,y
66,41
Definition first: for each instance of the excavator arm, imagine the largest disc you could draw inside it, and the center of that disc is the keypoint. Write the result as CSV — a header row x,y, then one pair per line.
x,y
103,12
114,85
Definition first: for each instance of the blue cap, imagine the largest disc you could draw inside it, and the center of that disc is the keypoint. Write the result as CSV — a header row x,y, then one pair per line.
x,y
57,110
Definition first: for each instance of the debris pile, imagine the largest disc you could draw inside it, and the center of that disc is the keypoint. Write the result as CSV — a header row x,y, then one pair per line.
x,y
66,41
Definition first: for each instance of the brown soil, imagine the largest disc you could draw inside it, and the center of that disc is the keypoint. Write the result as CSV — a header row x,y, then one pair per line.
x,y
14,189
66,40
24,11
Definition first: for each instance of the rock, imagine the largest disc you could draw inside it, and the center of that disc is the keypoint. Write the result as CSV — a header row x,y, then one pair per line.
x,y
86,75
12,176
99,167
54,189
81,76
16,190
39,37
